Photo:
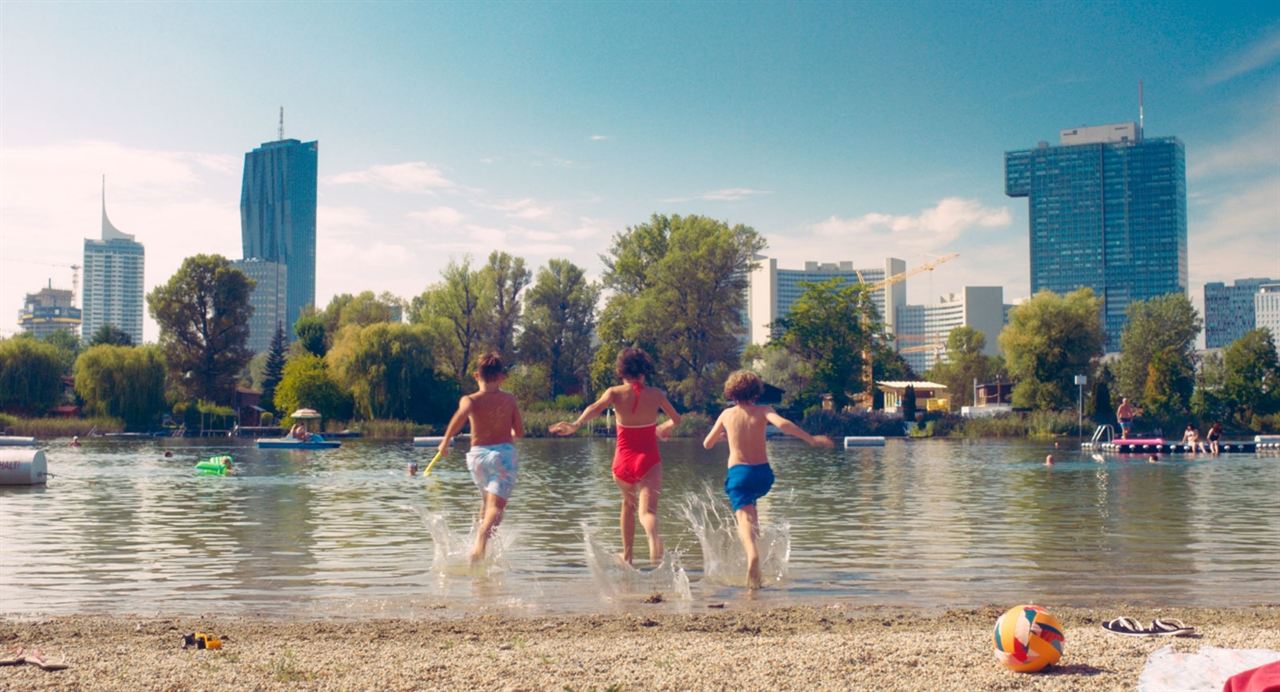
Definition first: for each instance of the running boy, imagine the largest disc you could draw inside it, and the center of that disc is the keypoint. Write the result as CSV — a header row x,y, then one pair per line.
x,y
637,464
495,421
749,477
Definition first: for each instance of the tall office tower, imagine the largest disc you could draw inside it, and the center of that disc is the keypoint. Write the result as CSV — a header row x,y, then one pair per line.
x,y
1229,310
278,216
772,291
268,299
923,329
49,310
1108,210
112,281
1266,308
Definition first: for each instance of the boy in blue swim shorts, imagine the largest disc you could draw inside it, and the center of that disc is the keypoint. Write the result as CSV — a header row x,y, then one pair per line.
x,y
750,477
495,421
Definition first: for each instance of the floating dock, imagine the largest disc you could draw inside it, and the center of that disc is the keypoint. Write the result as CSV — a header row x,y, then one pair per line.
x,y
866,441
1162,447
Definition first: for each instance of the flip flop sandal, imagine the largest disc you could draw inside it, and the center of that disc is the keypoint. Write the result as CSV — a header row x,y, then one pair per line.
x,y
36,659
1126,626
1170,628
11,657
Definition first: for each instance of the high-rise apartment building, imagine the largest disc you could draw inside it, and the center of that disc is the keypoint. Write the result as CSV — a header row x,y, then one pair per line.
x,y
923,329
49,310
1108,210
772,291
278,216
112,293
268,300
1266,308
1229,310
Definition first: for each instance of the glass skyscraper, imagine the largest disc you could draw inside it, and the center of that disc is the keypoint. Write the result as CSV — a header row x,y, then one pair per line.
x,y
1229,311
278,217
1108,210
771,291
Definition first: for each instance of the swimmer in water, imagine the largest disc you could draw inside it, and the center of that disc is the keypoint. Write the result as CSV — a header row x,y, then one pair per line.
x,y
750,477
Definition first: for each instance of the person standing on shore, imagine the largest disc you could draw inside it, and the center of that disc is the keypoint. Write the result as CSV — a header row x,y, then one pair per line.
x,y
750,477
1125,414
637,463
495,421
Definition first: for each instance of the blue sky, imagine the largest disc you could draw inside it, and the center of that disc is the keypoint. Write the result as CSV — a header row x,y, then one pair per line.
x,y
839,130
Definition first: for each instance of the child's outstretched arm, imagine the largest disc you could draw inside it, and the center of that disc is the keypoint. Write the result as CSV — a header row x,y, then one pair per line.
x,y
563,428
717,433
517,422
673,418
455,424
794,430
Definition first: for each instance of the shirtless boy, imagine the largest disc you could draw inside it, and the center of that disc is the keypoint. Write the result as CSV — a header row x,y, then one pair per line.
x,y
495,422
750,477
637,463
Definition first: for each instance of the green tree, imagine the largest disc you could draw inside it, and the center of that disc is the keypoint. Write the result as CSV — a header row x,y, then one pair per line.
x,y
965,362
679,287
1208,402
364,309
388,369
68,345
457,308
312,335
1049,340
112,335
122,382
779,367
909,403
273,370
829,326
1251,383
1167,327
30,375
307,384
203,312
559,322
1166,394
506,277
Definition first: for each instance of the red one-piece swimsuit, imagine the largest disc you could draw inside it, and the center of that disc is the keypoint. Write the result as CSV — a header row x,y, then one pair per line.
x,y
637,451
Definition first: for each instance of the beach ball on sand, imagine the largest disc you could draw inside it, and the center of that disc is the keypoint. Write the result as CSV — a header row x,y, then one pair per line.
x,y
1028,638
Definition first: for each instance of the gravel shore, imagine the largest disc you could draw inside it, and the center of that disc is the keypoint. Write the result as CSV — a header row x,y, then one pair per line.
x,y
801,648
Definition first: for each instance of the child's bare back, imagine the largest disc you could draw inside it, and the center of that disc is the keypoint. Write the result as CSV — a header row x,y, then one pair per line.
x,y
494,416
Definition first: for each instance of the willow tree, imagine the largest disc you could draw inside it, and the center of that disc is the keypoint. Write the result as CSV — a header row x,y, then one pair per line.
x,y
1049,340
122,382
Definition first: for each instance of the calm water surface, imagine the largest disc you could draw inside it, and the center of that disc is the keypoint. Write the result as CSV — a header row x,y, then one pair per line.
x,y
121,529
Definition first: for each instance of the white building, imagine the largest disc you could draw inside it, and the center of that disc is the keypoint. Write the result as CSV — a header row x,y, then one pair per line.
x,y
269,300
112,293
923,329
1266,309
772,291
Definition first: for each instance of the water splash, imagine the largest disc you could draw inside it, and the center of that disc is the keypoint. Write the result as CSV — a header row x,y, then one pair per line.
x,y
618,580
451,549
723,559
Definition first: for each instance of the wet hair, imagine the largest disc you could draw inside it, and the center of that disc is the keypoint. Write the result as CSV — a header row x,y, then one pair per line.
x,y
489,366
743,385
633,363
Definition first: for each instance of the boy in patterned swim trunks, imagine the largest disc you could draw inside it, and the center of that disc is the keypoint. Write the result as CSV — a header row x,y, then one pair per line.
x,y
495,422
749,477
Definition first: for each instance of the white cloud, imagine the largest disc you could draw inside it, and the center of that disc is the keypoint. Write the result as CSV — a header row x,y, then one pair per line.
x,y
1260,53
413,176
342,220
526,208
1253,150
600,138
728,194
438,216
935,227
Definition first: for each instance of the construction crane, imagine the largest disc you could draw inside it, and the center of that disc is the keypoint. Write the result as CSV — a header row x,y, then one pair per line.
x,y
75,272
868,371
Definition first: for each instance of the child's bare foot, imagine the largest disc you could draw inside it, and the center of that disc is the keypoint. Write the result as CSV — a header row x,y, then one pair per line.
x,y
753,574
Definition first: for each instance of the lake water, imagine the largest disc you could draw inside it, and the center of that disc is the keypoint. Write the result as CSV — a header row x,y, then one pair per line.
x,y
122,529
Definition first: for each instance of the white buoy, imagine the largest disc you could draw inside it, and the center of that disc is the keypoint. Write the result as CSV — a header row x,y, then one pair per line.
x,y
433,440
869,441
23,467
14,441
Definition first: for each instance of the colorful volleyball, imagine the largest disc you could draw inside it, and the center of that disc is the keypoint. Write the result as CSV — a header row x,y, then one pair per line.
x,y
1028,638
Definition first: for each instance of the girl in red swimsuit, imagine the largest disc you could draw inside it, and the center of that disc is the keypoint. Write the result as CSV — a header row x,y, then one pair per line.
x,y
637,464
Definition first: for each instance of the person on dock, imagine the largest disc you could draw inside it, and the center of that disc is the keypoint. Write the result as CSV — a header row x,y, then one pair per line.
x,y
637,463
749,476
1191,438
1214,435
495,422
1125,414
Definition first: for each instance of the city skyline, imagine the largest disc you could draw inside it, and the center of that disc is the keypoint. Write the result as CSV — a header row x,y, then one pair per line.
x,y
856,132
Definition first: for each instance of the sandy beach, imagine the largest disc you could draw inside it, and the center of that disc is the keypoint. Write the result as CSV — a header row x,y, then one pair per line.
x,y
838,647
